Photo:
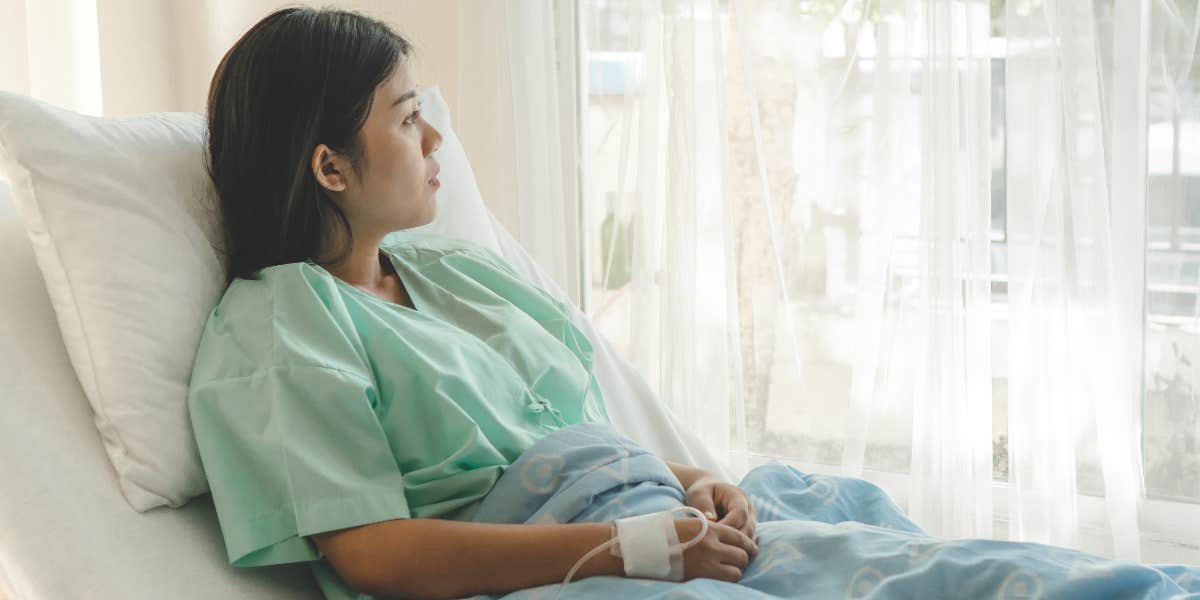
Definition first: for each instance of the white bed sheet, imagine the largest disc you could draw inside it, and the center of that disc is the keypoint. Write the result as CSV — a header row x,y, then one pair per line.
x,y
65,530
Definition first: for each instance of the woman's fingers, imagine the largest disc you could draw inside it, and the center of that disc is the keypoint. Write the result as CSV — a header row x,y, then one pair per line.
x,y
740,515
732,555
729,573
751,527
701,498
735,518
733,537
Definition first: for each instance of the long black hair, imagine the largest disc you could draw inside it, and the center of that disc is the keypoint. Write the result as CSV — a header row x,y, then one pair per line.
x,y
298,78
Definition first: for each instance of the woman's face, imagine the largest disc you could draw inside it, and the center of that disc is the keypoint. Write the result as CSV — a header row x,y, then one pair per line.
x,y
396,179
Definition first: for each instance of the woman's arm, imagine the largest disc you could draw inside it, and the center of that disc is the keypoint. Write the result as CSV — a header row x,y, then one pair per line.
x,y
439,558
688,475
718,499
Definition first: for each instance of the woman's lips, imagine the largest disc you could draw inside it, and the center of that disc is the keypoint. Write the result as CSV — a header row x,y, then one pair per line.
x,y
434,181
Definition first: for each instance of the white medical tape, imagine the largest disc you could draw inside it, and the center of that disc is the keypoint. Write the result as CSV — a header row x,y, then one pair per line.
x,y
671,542
644,546
649,546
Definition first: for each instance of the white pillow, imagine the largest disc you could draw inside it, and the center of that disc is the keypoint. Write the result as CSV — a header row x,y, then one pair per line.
x,y
124,223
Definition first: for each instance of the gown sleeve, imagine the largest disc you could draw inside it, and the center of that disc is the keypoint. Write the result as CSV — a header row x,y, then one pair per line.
x,y
290,450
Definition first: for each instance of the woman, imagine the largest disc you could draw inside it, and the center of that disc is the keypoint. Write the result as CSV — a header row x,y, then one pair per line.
x,y
354,402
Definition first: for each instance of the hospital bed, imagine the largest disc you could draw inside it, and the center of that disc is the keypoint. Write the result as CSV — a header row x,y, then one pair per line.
x,y
66,531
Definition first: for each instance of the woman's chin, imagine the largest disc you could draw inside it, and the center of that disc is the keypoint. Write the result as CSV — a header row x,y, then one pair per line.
x,y
427,217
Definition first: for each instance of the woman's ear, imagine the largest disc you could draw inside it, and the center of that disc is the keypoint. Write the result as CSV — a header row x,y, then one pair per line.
x,y
329,168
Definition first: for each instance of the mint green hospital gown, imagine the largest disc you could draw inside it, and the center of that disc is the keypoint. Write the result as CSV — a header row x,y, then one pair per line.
x,y
319,406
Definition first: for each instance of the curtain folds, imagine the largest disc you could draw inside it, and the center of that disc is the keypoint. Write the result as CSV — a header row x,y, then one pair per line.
x,y
902,240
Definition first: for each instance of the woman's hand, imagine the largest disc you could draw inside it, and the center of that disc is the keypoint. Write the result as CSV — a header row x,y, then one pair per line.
x,y
722,554
723,503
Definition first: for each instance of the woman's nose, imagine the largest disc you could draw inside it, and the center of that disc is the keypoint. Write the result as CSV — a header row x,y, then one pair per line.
x,y
433,139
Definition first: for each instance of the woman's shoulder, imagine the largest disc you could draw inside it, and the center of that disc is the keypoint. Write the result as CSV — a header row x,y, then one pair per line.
x,y
279,317
257,296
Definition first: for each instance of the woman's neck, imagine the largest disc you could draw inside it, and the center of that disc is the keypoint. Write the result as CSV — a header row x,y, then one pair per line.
x,y
364,267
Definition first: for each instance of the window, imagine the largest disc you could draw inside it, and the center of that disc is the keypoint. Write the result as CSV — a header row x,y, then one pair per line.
x,y
822,216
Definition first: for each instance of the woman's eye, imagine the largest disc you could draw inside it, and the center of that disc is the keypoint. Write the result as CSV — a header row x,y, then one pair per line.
x,y
413,117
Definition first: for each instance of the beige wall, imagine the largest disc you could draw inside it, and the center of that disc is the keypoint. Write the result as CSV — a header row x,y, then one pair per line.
x,y
158,55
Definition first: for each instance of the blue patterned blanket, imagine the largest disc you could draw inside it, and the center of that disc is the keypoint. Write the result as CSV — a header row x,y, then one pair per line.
x,y
819,536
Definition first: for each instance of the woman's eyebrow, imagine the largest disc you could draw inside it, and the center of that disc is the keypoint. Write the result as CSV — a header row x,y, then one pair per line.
x,y
405,96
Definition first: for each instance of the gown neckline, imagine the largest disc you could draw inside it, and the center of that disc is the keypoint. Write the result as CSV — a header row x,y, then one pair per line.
x,y
406,278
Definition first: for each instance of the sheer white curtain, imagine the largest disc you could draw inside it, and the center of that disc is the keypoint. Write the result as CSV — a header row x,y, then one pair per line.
x,y
906,240
932,83
52,52
672,187
540,43
122,57
1080,79
119,57
1074,364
